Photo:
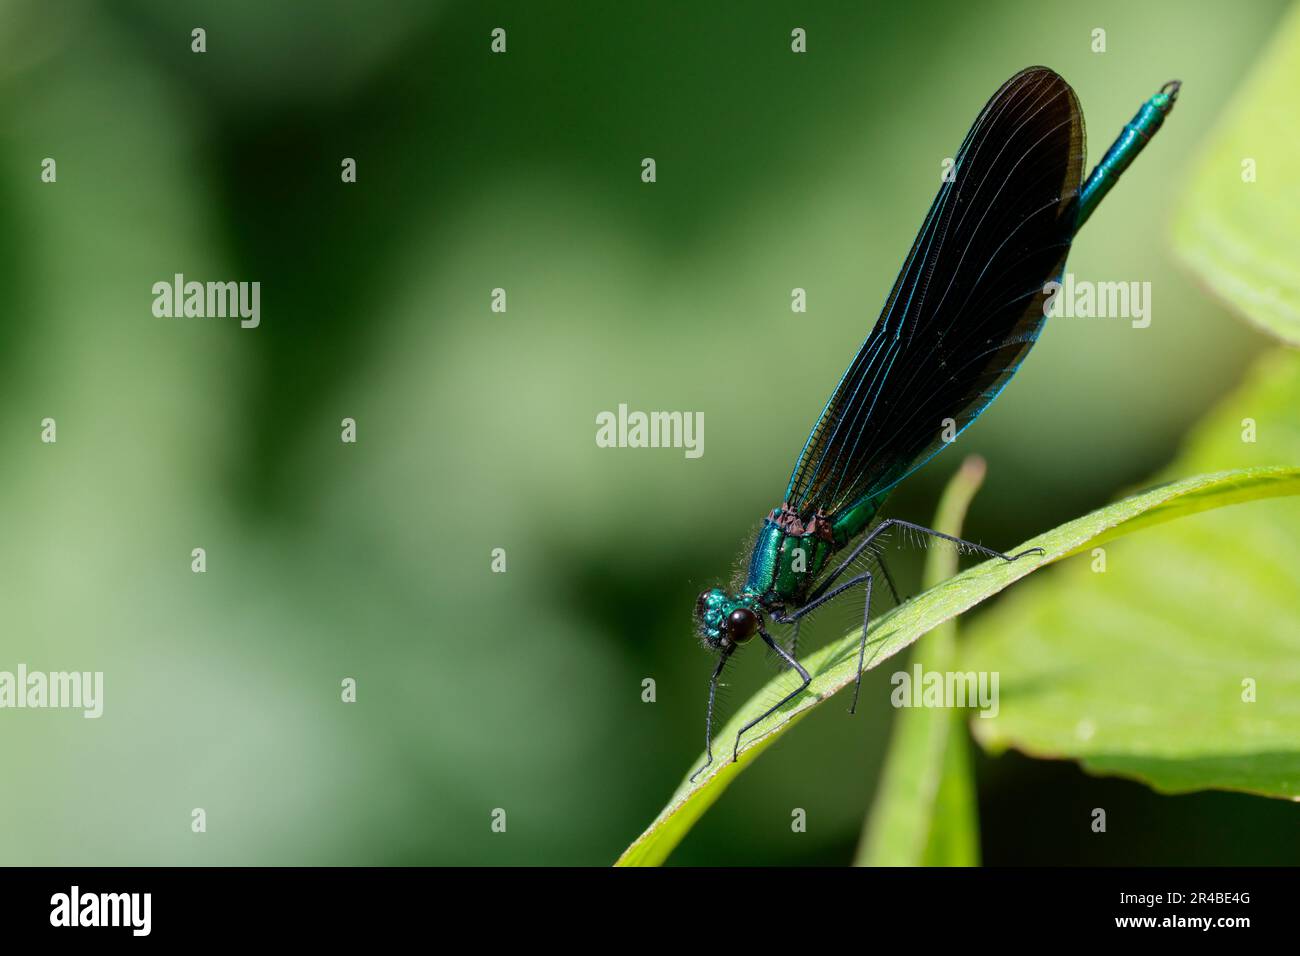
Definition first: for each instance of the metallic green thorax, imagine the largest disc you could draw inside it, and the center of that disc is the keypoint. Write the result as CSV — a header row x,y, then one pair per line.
x,y
782,566
787,557
1125,149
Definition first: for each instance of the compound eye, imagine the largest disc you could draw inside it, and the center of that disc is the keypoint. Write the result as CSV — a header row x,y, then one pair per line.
x,y
741,625
701,604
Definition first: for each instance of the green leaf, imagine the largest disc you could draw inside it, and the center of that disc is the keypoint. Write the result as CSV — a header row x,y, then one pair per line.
x,y
1240,237
924,812
1139,671
833,667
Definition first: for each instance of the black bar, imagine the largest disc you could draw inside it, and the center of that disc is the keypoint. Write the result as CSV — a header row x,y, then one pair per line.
x,y
377,905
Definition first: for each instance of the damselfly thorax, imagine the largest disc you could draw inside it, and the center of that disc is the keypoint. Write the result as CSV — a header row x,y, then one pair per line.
x,y
786,562
788,555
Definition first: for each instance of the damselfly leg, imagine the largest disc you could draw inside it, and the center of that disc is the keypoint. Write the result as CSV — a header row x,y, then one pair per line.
x,y
708,716
823,593
791,662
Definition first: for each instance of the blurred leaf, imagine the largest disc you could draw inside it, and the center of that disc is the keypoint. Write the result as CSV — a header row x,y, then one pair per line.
x,y
1139,671
924,812
834,666
1241,237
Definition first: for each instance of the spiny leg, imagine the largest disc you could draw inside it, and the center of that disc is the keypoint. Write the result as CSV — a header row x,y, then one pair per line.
x,y
821,595
862,648
866,613
793,647
820,591
708,714
767,638
793,618
960,542
889,578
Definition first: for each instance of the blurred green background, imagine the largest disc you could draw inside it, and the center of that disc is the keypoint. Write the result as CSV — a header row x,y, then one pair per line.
x,y
476,430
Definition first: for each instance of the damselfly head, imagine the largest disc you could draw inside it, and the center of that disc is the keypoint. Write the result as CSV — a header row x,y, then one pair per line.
x,y
725,620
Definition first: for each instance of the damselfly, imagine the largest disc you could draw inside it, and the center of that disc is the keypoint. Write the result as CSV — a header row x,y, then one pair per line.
x,y
967,306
